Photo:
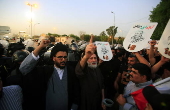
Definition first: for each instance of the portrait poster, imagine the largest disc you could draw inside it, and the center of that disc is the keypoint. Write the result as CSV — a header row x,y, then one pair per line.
x,y
164,42
138,36
104,51
149,45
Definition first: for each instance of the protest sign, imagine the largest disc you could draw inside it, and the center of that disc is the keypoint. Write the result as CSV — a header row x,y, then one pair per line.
x,y
104,51
138,36
164,43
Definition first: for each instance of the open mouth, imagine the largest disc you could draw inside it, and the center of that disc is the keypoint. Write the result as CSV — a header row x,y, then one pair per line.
x,y
62,63
93,63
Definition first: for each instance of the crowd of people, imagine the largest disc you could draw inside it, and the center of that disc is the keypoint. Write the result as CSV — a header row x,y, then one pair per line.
x,y
58,76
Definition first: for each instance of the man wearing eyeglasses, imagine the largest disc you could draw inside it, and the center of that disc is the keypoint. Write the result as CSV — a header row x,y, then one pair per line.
x,y
50,87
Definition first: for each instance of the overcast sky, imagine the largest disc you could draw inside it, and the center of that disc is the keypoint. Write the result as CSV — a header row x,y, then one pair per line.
x,y
73,16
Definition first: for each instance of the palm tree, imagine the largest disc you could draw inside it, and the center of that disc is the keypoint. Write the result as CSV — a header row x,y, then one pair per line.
x,y
111,31
103,36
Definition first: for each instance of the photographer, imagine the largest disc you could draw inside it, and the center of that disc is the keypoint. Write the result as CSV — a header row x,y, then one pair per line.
x,y
122,79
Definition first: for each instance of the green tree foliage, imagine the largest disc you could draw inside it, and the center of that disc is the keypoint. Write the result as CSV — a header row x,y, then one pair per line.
x,y
111,31
64,35
160,14
74,36
87,37
103,36
82,33
55,35
120,40
49,34
97,38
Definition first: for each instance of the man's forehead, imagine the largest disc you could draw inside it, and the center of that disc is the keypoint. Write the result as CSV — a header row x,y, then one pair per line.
x,y
61,52
131,58
94,55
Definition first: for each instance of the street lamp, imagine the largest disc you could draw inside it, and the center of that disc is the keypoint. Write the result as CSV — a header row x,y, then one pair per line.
x,y
31,5
121,32
114,25
114,17
34,27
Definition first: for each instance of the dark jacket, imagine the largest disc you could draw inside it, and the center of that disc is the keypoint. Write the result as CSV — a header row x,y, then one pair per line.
x,y
91,82
35,86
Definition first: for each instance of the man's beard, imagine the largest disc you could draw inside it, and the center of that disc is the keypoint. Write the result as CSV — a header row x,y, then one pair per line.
x,y
90,65
59,65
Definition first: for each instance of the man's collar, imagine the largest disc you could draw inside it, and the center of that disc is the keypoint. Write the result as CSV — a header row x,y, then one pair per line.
x,y
144,84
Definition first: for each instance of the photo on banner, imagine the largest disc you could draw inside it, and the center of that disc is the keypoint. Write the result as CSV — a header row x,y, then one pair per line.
x,y
104,51
138,36
164,43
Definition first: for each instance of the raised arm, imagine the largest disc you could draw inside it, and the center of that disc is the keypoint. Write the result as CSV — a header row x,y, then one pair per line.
x,y
156,67
44,43
141,59
89,51
152,60
32,59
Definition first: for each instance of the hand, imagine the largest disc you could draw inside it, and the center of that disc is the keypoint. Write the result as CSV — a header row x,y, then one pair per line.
x,y
121,100
90,48
164,59
100,61
153,42
103,106
44,43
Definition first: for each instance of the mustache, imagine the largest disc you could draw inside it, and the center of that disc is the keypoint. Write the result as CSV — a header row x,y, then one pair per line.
x,y
63,62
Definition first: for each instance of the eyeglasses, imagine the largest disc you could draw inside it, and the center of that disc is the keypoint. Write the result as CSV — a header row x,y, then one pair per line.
x,y
61,57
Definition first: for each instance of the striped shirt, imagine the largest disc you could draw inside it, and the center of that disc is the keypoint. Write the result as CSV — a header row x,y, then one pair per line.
x,y
12,98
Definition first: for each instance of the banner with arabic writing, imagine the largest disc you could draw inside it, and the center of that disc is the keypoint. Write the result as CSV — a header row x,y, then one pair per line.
x,y
138,36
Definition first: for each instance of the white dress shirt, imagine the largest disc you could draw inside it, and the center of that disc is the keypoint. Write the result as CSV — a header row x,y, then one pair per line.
x,y
60,72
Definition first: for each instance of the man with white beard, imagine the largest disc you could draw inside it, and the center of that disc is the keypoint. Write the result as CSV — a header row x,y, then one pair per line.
x,y
91,80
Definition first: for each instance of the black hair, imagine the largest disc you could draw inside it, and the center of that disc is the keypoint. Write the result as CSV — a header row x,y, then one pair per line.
x,y
19,56
143,70
166,66
58,47
13,47
113,48
72,41
133,56
1,50
119,54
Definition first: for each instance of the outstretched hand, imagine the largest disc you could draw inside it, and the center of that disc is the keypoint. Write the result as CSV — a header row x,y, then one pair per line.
x,y
90,48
